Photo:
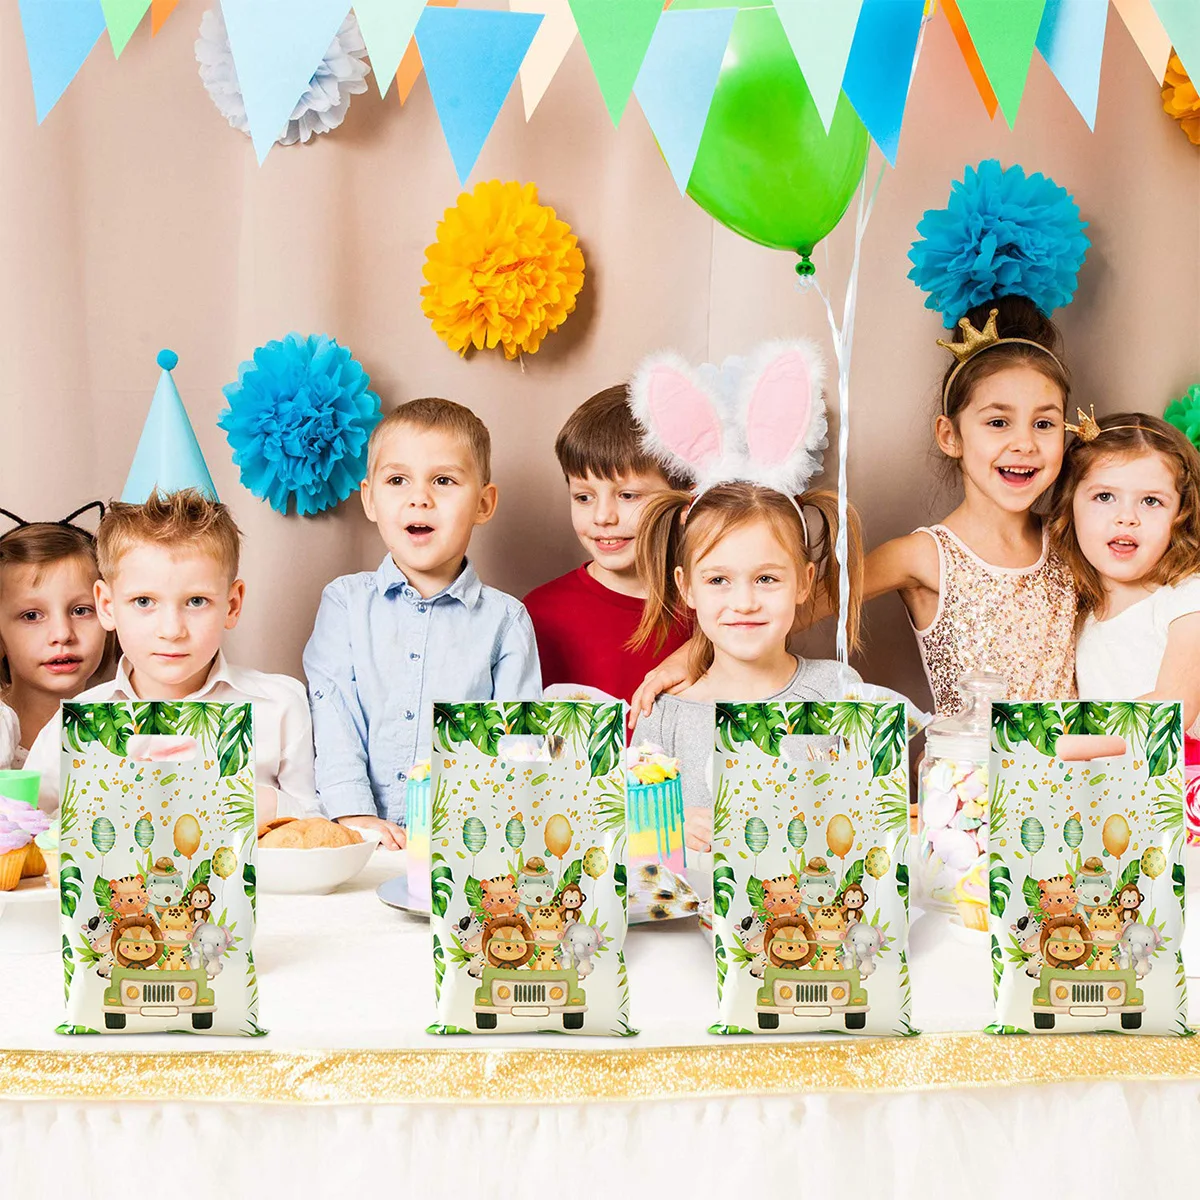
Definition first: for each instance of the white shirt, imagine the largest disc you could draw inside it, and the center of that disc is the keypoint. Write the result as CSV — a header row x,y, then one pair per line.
x,y
283,749
11,755
1119,659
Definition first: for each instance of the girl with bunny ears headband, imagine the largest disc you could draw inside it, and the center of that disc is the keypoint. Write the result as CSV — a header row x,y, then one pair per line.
x,y
737,552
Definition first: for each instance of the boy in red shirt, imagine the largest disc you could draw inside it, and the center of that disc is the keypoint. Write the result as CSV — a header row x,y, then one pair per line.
x,y
583,619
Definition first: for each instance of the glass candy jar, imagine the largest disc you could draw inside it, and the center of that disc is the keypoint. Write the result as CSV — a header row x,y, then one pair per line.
x,y
953,803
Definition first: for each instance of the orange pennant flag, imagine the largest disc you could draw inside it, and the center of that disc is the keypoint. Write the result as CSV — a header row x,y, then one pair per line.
x,y
410,68
963,38
160,10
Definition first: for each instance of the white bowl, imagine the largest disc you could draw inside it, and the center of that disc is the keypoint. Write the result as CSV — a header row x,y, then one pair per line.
x,y
318,870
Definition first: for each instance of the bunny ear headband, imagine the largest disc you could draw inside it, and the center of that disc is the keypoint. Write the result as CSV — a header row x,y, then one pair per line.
x,y
759,419
68,520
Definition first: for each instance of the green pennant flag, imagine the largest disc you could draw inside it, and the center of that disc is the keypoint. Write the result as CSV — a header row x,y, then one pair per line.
x,y
122,17
1004,37
616,35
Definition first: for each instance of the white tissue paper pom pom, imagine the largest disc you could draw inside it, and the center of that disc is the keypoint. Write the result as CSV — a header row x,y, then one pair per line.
x,y
326,100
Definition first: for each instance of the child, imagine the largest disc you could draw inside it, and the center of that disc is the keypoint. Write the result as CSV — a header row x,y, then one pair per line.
x,y
1126,518
169,590
51,642
741,556
983,588
389,642
584,619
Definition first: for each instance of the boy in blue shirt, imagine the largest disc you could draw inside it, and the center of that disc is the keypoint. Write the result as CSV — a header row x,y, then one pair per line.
x,y
389,642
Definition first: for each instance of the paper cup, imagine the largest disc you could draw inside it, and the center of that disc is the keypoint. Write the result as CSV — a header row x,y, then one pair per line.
x,y
21,785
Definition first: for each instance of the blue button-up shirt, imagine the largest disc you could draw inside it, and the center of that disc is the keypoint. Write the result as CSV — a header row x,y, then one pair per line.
x,y
380,655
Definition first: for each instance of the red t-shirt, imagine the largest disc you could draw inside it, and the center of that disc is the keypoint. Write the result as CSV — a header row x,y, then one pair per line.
x,y
582,628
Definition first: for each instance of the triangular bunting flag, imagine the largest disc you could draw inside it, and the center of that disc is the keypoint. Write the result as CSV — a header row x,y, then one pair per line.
x,y
471,59
168,457
1071,40
1181,20
410,68
880,67
554,38
821,33
387,28
160,10
616,35
277,46
974,66
1148,34
59,35
678,77
122,17
1004,37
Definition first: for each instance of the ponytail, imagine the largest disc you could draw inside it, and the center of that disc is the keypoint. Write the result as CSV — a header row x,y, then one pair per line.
x,y
658,538
820,551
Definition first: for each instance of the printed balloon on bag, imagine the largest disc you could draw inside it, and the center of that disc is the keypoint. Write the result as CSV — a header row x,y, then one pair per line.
x,y
157,843
527,868
810,887
1086,868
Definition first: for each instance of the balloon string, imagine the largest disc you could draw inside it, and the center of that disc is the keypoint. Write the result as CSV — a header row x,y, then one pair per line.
x,y
843,342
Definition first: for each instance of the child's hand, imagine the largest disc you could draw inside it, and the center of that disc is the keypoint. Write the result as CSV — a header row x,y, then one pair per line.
x,y
391,836
671,675
697,829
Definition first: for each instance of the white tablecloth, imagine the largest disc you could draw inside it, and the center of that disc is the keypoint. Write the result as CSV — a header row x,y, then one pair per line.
x,y
349,1092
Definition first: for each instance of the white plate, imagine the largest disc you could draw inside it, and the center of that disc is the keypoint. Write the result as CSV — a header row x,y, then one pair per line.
x,y
29,920
394,893
318,870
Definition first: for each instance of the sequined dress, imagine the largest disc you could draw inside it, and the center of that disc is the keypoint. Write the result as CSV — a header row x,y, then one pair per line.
x,y
1018,621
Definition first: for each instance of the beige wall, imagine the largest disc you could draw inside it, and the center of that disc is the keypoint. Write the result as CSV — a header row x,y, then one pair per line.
x,y
135,218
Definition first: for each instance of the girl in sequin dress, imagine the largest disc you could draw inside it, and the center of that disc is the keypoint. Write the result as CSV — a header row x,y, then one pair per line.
x,y
983,588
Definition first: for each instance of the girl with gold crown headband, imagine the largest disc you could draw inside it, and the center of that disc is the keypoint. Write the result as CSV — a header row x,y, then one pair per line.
x,y
51,642
744,551
983,588
1126,518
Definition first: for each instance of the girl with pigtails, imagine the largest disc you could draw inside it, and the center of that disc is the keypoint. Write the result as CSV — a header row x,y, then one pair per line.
x,y
744,551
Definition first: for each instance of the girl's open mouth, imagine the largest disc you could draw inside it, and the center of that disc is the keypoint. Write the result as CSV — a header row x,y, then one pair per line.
x,y
1017,476
1123,547
64,664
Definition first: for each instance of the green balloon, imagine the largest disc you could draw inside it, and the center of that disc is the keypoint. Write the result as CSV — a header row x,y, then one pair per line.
x,y
104,835
514,833
756,835
1033,835
143,833
474,834
766,167
797,833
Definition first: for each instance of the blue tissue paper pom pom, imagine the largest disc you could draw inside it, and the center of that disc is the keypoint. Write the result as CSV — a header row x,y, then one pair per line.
x,y
299,419
1002,233
168,360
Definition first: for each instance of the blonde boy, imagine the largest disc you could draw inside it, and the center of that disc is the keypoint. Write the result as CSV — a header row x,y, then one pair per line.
x,y
170,591
585,618
420,628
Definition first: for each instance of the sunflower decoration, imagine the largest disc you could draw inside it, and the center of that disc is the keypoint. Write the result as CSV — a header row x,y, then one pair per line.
x,y
504,271
1180,99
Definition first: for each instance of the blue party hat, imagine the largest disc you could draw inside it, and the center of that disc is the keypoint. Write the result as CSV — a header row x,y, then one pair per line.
x,y
168,456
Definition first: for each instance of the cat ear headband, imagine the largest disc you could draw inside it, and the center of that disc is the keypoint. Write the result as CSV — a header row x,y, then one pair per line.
x,y
759,419
68,521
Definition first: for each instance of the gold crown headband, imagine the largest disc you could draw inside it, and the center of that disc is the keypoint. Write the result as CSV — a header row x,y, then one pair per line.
x,y
1088,429
976,341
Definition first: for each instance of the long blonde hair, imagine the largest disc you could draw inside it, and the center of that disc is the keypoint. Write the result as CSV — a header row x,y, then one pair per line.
x,y
671,534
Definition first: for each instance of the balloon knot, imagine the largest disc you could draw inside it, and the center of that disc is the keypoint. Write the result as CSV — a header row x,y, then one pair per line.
x,y
805,268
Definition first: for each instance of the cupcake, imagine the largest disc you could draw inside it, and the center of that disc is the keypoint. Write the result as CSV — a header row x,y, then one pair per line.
x,y
47,844
654,808
14,843
971,896
33,822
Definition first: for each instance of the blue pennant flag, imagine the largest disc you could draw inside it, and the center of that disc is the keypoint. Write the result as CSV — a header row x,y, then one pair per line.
x,y
471,59
1071,40
677,79
59,35
168,457
880,67
277,47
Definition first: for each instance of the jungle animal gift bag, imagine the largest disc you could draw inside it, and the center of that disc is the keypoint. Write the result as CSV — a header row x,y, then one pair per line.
x,y
810,888
528,880
1086,869
157,846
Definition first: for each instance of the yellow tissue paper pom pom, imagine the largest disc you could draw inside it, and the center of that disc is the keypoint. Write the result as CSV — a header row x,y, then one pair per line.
x,y
1180,99
504,271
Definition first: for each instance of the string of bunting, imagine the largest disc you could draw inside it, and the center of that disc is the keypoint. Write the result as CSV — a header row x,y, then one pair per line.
x,y
668,55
